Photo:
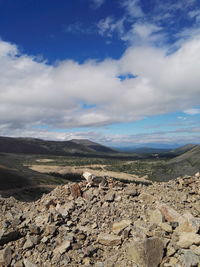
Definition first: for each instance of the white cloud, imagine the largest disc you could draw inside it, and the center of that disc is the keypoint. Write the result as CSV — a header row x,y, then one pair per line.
x,y
97,3
133,8
108,26
192,111
143,33
33,93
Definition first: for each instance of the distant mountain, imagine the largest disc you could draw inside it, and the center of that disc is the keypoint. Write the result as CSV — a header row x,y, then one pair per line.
x,y
94,146
38,146
149,150
187,163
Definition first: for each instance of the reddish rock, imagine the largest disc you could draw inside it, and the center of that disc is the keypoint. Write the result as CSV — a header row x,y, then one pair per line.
x,y
75,191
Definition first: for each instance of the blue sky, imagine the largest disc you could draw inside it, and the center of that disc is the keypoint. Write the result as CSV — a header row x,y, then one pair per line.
x,y
116,72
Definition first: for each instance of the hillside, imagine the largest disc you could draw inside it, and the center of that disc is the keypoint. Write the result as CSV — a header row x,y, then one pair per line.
x,y
185,164
183,149
38,146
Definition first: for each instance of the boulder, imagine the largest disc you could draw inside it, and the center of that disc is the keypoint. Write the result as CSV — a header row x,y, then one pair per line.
x,y
188,239
146,253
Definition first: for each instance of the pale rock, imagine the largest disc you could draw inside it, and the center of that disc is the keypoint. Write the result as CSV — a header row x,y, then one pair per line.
x,y
156,217
5,256
109,239
146,253
190,225
197,175
147,197
166,227
62,248
188,239
118,227
28,263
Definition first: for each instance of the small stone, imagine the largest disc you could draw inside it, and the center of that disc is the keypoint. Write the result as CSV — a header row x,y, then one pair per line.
x,y
118,227
109,239
197,175
188,239
44,239
99,264
166,227
110,197
5,256
147,197
62,248
28,263
131,192
170,251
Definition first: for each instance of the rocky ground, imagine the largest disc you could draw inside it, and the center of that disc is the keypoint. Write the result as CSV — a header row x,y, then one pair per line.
x,y
123,225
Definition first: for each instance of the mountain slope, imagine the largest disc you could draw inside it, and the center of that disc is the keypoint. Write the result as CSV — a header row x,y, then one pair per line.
x,y
38,146
187,163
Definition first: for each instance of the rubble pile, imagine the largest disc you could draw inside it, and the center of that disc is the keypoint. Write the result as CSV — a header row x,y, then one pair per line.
x,y
132,225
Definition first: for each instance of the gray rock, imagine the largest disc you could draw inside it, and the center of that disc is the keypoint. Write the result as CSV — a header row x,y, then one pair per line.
x,y
146,253
5,256
110,196
189,259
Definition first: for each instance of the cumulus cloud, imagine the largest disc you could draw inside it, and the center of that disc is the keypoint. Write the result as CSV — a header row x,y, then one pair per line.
x,y
34,94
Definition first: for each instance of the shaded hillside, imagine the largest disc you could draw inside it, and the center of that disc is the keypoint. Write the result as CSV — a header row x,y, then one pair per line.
x,y
14,175
187,163
183,149
38,146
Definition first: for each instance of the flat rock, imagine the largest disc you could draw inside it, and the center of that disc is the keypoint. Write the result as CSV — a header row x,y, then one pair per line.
x,y
156,217
62,248
109,239
118,227
28,263
146,253
190,225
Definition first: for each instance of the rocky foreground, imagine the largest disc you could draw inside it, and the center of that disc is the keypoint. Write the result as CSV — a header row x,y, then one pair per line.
x,y
124,225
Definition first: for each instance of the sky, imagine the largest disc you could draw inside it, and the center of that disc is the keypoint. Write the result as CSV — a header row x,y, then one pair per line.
x,y
118,72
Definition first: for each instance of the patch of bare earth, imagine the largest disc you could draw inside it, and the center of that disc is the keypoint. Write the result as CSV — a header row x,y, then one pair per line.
x,y
79,170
